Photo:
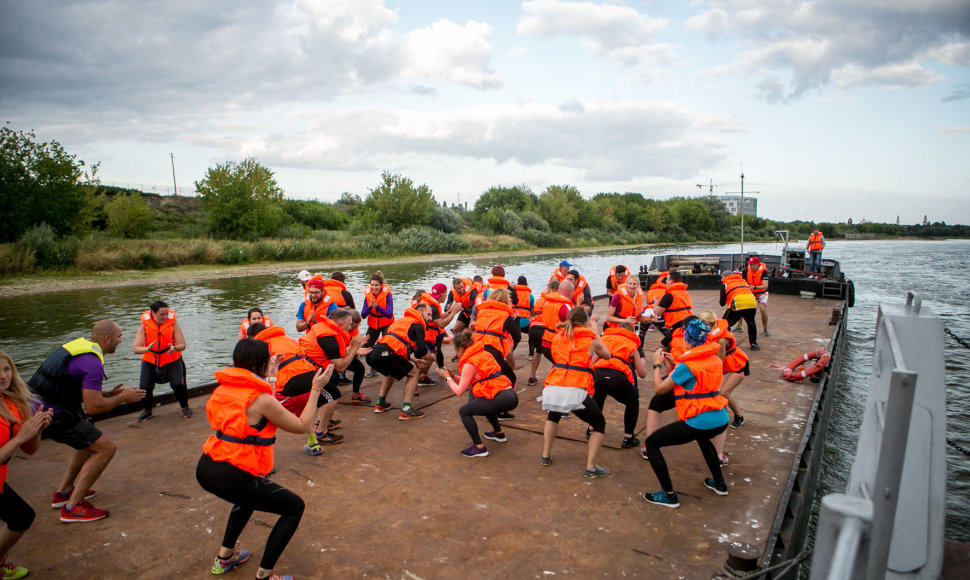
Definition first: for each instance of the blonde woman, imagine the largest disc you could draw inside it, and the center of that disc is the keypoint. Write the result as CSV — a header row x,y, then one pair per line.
x,y
16,433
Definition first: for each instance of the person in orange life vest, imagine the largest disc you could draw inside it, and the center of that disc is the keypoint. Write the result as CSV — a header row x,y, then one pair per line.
x,y
582,294
496,326
20,428
254,316
537,330
524,307
317,306
735,368
378,308
356,396
617,276
498,280
554,311
160,343
393,354
614,376
756,275
464,293
674,307
235,461
336,289
435,333
490,392
814,246
293,378
304,277
568,387
701,411
741,303
70,382
559,274
627,304
653,295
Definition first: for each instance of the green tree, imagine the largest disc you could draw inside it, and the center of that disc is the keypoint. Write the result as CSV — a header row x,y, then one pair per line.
x,y
315,214
398,204
241,200
41,182
518,199
560,206
692,215
129,215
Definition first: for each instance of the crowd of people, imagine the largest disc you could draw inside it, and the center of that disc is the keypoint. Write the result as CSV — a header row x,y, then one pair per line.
x,y
274,378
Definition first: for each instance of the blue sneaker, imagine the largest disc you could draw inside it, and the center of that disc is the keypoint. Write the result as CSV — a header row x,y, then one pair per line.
x,y
221,566
718,488
496,436
597,471
312,449
663,498
475,451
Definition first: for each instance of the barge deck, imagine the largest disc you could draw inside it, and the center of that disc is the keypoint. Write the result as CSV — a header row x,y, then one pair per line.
x,y
397,500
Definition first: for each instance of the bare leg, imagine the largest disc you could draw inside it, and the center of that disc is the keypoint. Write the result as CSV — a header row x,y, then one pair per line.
x,y
386,384
764,316
731,381
7,540
74,465
548,436
595,442
325,414
653,423
101,452
718,441
535,364
411,385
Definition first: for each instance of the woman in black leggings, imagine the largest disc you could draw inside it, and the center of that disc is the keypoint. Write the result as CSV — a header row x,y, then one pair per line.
x,y
490,391
236,460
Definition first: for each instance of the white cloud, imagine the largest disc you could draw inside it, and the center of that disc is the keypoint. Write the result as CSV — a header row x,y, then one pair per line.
x,y
955,130
891,76
449,52
612,31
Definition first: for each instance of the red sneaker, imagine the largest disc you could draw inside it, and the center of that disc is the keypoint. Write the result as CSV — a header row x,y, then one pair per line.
x,y
59,499
82,512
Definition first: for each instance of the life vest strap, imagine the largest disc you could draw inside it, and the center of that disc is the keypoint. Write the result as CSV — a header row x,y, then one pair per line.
x,y
490,333
494,375
247,440
292,359
710,395
573,368
407,343
676,309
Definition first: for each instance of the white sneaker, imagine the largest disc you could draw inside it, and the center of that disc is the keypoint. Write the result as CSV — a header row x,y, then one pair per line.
x,y
369,373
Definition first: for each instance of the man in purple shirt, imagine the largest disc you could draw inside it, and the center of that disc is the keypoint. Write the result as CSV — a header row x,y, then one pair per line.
x,y
70,383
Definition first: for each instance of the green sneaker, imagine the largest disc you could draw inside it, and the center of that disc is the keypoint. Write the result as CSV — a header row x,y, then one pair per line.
x,y
221,566
12,571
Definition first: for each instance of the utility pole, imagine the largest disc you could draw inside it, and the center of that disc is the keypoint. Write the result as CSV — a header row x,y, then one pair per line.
x,y
175,187
741,209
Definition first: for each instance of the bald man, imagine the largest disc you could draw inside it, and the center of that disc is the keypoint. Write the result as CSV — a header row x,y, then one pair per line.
x,y
70,383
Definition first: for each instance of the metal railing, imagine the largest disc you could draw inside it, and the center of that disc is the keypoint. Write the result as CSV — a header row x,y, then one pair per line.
x,y
889,523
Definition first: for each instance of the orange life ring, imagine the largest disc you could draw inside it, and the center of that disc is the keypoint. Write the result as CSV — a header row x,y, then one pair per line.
x,y
821,358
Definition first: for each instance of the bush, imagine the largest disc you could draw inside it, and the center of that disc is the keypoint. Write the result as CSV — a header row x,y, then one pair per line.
x,y
293,231
533,221
445,220
316,215
48,252
509,223
129,216
428,241
15,259
543,239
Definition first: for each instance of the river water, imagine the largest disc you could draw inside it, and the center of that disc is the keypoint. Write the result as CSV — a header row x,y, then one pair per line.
x,y
209,313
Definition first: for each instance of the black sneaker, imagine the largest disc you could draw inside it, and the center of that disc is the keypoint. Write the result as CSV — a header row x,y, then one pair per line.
x,y
496,436
144,416
411,413
718,488
597,471
505,416
738,421
187,412
643,453
663,498
329,438
755,347
629,442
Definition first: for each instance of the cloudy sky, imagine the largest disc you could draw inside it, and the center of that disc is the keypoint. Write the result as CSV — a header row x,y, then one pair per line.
x,y
834,109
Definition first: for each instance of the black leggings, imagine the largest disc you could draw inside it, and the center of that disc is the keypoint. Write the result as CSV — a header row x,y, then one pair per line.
x,y
535,339
748,314
507,369
357,368
249,493
677,434
173,373
504,400
14,511
439,356
590,413
615,384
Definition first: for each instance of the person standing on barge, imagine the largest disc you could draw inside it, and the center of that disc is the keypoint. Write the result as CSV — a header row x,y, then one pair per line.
x,y
814,246
755,275
614,376
160,343
236,460
674,307
741,303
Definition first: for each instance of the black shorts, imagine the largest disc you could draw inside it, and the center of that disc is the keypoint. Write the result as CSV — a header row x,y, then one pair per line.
x,y
387,362
464,318
300,385
746,371
71,428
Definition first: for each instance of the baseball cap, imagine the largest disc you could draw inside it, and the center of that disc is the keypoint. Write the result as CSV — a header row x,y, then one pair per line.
x,y
754,259
304,275
438,290
315,284
696,332
565,263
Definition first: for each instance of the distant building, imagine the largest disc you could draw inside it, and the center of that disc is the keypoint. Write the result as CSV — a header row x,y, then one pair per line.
x,y
733,204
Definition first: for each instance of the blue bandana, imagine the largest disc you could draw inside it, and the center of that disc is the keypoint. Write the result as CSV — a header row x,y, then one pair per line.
x,y
696,332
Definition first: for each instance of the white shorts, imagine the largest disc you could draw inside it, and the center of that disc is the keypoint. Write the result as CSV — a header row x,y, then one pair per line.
x,y
763,298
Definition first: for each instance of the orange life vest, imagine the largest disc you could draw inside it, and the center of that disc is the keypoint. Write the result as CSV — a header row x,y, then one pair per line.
x,y
318,312
162,336
571,360
375,320
681,306
334,289
621,343
550,313
397,334
431,330
578,291
614,283
496,282
753,276
489,325
557,275
678,345
306,285
311,348
815,242
705,396
235,441
464,298
523,306
244,325
10,430
537,310
630,306
490,378
294,362
734,357
734,286
657,290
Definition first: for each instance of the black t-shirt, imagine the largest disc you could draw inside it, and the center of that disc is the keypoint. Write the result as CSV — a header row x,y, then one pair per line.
x,y
666,301
330,347
416,334
348,298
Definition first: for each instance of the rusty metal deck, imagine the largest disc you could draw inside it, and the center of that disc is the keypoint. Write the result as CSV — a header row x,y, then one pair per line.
x,y
397,500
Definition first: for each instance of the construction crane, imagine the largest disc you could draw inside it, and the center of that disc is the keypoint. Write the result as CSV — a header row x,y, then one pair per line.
x,y
710,186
